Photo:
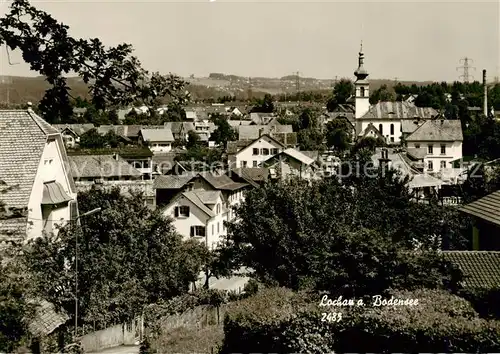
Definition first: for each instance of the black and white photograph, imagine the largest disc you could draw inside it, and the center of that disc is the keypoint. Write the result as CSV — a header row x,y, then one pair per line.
x,y
249,176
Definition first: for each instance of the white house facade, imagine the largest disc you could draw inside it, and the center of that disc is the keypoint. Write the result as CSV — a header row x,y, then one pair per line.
x,y
158,140
199,214
258,151
37,187
442,140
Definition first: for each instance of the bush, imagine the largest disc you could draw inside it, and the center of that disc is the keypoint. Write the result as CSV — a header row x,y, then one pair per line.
x,y
485,301
254,324
440,323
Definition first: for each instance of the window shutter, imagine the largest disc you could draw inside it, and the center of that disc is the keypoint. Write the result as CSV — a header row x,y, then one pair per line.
x,y
176,212
192,231
188,210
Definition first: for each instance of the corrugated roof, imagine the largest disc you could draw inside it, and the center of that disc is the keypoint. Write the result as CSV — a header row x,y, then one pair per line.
x,y
398,110
53,193
486,208
157,135
438,130
97,166
23,136
481,268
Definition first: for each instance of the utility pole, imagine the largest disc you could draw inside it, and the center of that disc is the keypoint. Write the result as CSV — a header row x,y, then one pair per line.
x,y
8,80
465,68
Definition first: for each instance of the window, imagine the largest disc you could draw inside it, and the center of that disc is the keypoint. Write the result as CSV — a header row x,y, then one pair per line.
x,y
430,166
392,139
218,230
198,231
255,151
381,129
243,164
443,149
362,92
255,164
212,229
392,129
443,164
275,151
181,211
47,162
190,186
265,151
430,149
218,208
417,146
137,164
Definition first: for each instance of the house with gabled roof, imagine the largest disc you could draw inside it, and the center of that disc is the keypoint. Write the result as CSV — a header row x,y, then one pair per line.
x,y
71,132
100,168
292,163
252,153
255,176
443,140
262,118
180,130
200,215
251,132
37,189
158,140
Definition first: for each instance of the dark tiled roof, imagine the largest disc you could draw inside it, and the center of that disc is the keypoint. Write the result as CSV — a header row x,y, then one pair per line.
x,y
256,174
438,130
408,126
179,127
46,319
418,154
23,136
481,268
486,208
221,182
97,166
234,146
398,110
172,181
12,229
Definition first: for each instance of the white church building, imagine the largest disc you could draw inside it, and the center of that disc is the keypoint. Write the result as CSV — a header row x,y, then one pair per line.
x,y
387,117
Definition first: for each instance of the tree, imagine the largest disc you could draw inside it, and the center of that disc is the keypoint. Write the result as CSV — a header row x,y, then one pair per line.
x,y
193,140
342,91
128,256
311,139
114,76
382,94
92,140
224,132
339,134
264,105
357,235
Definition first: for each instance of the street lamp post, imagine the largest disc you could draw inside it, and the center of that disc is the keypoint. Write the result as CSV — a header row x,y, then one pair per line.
x,y
93,211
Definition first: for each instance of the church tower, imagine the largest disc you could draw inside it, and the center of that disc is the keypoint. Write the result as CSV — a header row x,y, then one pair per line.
x,y
362,87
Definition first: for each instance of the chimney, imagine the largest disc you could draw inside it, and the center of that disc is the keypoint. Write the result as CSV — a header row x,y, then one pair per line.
x,y
485,98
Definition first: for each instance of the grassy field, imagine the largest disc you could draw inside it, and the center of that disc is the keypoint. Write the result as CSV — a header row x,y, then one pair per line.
x,y
184,340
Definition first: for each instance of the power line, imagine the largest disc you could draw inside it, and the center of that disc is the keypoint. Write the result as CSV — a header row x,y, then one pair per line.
x,y
465,68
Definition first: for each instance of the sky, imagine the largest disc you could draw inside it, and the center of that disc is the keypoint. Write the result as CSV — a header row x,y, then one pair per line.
x,y
418,40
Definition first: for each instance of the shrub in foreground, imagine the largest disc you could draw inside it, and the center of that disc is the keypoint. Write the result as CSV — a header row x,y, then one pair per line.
x,y
441,322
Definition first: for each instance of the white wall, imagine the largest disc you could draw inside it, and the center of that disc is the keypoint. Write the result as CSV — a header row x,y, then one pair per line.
x,y
155,147
247,155
50,168
198,218
362,104
453,151
386,128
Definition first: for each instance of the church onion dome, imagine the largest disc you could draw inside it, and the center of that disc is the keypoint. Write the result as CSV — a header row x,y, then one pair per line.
x,y
361,72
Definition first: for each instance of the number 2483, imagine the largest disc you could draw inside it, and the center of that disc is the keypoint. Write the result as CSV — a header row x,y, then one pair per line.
x,y
331,317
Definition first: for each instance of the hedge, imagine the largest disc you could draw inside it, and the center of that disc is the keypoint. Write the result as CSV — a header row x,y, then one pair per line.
x,y
290,323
